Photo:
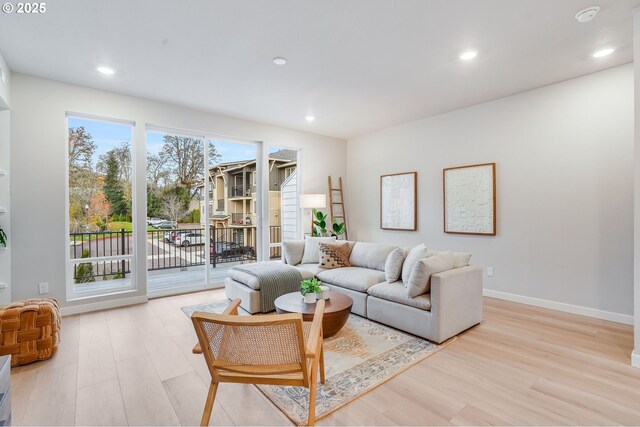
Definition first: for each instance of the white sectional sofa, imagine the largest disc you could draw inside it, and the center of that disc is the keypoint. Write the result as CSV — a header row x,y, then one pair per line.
x,y
453,304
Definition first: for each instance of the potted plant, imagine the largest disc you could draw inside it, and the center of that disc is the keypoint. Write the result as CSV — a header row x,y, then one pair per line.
x,y
309,288
3,238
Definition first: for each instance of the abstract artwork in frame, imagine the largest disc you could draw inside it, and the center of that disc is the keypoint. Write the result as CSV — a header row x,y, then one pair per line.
x,y
398,204
470,199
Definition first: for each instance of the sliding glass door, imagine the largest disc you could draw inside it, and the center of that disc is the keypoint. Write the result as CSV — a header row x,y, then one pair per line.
x,y
231,194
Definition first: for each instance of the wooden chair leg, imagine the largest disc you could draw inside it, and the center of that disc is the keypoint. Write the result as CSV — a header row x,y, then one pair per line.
x,y
322,364
312,393
208,406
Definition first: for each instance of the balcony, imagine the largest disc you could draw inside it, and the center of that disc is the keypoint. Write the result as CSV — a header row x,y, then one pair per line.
x,y
239,191
242,220
170,264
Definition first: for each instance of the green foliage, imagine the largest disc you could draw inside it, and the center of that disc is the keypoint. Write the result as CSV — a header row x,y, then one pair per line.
x,y
84,271
193,217
338,229
119,225
3,238
310,286
113,187
320,223
154,201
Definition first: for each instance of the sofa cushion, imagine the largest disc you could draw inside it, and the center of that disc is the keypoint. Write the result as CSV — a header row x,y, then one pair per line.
x,y
334,255
370,255
393,265
354,278
420,279
309,270
460,259
311,251
293,251
396,292
413,256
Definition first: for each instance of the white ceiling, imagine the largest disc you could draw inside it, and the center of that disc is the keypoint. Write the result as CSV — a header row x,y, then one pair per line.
x,y
357,65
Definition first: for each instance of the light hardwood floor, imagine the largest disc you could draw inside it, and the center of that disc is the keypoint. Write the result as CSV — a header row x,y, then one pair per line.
x,y
523,365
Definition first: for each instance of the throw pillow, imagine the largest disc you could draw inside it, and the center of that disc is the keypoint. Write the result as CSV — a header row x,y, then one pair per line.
x,y
414,255
311,254
393,265
293,251
420,279
334,255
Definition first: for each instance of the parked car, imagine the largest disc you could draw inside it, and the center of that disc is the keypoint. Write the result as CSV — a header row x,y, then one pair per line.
x,y
219,251
153,221
188,238
166,224
170,236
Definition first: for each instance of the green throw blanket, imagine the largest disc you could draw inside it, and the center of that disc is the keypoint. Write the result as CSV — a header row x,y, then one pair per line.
x,y
276,279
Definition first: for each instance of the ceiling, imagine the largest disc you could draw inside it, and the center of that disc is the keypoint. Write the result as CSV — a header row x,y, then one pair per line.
x,y
356,65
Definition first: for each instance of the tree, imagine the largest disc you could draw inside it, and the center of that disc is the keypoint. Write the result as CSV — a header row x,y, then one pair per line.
x,y
173,208
157,171
113,187
81,148
185,156
122,154
99,209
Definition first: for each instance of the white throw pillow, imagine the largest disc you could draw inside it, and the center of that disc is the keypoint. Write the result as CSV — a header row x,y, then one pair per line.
x,y
460,259
420,279
414,255
393,265
311,252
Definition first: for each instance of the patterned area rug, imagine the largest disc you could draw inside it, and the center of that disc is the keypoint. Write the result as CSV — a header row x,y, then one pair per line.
x,y
360,357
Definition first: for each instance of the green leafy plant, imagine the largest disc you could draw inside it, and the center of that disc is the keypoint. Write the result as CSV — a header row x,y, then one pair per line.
x,y
310,286
84,271
338,230
320,223
3,238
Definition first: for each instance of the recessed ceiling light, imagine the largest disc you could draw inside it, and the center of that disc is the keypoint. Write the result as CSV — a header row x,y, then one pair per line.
x,y
586,15
603,52
106,70
279,60
468,54
309,118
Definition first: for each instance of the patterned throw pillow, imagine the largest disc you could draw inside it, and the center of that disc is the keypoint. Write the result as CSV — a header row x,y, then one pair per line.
x,y
334,255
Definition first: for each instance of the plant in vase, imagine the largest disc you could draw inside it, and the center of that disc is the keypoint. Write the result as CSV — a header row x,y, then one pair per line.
x,y
320,226
309,288
3,238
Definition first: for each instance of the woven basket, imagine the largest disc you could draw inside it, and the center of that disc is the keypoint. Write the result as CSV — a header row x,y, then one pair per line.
x,y
29,330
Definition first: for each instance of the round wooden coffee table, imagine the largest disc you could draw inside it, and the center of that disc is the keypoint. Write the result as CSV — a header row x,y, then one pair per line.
x,y
336,310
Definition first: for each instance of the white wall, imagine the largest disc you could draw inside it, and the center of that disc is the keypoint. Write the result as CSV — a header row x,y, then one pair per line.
x,y
5,83
38,155
635,357
5,182
564,157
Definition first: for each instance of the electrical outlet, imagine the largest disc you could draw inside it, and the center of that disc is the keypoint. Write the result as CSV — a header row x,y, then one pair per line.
x,y
490,271
3,285
43,287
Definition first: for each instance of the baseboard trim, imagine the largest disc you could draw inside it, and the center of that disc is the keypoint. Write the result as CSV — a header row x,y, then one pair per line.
x,y
103,305
560,306
635,359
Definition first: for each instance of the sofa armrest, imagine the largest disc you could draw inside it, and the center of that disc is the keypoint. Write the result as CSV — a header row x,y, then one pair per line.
x,y
456,301
292,251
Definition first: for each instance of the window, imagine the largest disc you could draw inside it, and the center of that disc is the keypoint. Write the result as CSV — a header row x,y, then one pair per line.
x,y
100,205
254,178
288,171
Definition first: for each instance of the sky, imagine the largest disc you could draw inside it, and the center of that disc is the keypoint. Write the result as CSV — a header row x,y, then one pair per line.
x,y
109,135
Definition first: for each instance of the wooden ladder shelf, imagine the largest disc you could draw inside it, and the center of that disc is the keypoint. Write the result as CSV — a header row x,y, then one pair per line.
x,y
342,214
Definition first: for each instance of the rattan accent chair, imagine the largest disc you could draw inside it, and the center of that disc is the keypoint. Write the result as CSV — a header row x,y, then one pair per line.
x,y
276,349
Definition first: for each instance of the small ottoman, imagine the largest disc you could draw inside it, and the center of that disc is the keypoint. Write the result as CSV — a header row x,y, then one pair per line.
x,y
29,330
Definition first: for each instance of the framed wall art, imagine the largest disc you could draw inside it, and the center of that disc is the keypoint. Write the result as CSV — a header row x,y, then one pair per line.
x,y
470,199
398,201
